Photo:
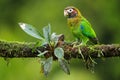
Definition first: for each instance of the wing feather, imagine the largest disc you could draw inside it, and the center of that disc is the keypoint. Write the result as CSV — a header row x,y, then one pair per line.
x,y
88,31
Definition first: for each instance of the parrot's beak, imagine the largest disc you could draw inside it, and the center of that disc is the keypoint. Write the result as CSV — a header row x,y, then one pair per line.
x,y
65,13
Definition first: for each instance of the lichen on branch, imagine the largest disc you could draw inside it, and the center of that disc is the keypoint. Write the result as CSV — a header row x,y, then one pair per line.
x,y
24,49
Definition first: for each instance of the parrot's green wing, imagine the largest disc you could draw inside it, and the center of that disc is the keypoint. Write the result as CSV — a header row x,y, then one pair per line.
x,y
87,31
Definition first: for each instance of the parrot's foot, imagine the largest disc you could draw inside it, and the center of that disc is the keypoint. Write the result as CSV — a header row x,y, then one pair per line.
x,y
75,44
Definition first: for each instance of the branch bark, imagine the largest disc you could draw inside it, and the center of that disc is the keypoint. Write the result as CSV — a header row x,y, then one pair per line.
x,y
20,50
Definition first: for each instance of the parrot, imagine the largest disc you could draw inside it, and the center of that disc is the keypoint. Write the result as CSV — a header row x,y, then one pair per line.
x,y
80,26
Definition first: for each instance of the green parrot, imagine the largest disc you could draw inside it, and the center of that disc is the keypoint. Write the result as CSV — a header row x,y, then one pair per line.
x,y
79,26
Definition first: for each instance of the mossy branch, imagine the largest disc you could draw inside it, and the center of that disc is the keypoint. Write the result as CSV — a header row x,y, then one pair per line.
x,y
20,50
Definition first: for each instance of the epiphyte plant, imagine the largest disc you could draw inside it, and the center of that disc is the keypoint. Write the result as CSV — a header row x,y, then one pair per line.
x,y
53,42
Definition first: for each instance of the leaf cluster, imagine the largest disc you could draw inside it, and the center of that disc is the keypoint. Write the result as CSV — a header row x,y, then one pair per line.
x,y
54,43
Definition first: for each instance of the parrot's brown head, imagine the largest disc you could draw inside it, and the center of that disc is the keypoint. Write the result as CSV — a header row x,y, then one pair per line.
x,y
71,12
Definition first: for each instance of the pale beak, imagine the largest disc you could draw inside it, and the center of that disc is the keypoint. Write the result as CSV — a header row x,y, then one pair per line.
x,y
65,13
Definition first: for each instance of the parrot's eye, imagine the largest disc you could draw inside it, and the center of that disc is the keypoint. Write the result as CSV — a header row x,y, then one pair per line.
x,y
70,10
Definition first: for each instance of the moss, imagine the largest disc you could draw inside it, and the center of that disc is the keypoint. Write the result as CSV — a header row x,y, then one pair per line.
x,y
14,49
24,49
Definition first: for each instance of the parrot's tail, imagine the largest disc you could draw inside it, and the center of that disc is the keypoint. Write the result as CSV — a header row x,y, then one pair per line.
x,y
94,40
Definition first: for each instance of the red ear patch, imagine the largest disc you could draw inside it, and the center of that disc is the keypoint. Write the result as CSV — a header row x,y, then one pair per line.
x,y
74,12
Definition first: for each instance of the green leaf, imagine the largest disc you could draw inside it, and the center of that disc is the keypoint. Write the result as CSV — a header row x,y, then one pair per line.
x,y
30,30
54,38
59,52
48,66
47,33
41,53
64,65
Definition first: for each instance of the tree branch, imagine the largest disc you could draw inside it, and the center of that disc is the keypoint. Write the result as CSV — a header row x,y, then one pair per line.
x,y
19,50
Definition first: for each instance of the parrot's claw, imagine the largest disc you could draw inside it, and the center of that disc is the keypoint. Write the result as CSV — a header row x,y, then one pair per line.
x,y
75,44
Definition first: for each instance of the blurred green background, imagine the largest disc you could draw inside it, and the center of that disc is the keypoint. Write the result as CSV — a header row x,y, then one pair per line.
x,y
104,16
